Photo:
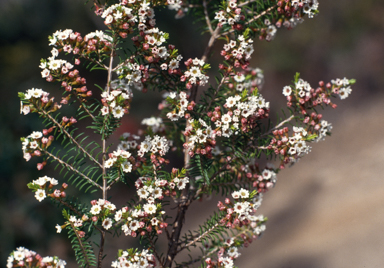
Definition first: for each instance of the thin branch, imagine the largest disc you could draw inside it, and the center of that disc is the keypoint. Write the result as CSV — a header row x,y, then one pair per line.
x,y
73,210
114,181
251,20
73,169
81,244
283,122
199,237
246,3
85,108
217,91
104,140
101,250
155,252
70,137
207,17
95,61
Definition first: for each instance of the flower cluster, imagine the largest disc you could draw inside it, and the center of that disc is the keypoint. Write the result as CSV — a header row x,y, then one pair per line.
x,y
308,7
179,105
22,257
239,50
342,87
102,209
241,115
135,75
116,102
121,159
35,143
60,70
178,6
291,13
43,188
201,138
303,97
241,212
142,219
72,42
195,73
247,79
36,99
130,258
128,142
156,145
231,15
154,123
229,249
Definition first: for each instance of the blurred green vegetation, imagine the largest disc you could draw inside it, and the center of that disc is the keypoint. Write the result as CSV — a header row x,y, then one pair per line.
x,y
346,39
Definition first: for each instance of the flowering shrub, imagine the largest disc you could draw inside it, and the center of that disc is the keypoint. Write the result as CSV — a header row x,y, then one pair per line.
x,y
220,134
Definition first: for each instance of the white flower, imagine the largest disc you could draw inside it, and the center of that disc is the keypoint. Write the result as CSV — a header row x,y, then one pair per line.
x,y
108,19
172,95
47,259
118,215
241,207
109,163
150,208
134,225
157,192
344,92
287,91
236,194
45,73
58,228
231,101
40,195
226,119
104,110
54,64
126,166
154,221
110,206
142,193
96,209
244,193
118,112
107,223
233,252
267,174
239,78
19,255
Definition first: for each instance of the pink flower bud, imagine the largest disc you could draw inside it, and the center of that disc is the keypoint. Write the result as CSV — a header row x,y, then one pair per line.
x,y
81,233
125,26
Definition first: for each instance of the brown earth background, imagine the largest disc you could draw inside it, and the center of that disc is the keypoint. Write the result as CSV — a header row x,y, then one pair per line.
x,y
326,211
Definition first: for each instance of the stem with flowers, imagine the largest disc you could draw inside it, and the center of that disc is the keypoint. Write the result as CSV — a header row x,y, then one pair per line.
x,y
221,133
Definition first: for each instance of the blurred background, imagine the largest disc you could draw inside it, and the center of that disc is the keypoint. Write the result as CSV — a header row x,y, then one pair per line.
x,y
326,211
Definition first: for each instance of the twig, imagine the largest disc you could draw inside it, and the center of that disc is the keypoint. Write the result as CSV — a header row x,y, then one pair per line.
x,y
155,252
207,17
81,244
199,237
251,20
70,137
73,169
